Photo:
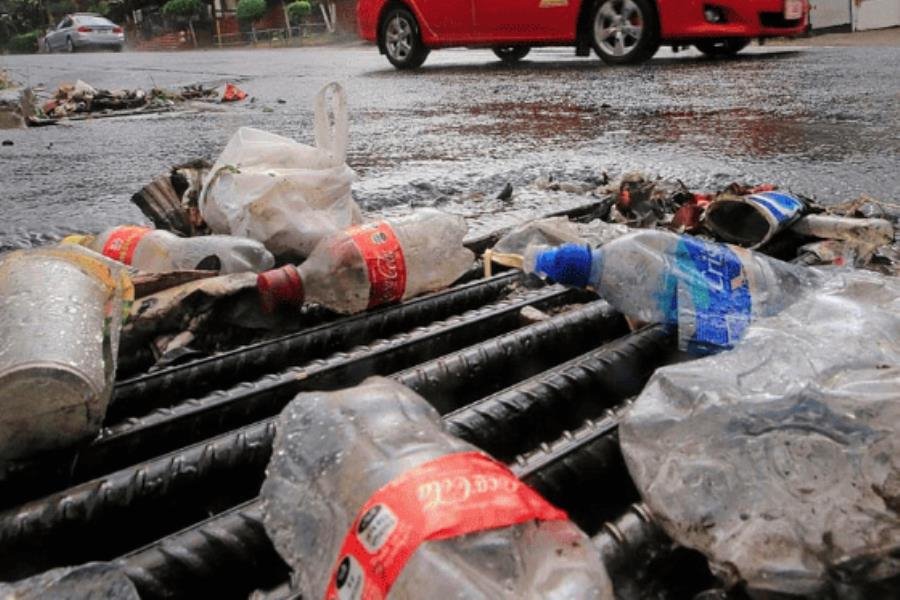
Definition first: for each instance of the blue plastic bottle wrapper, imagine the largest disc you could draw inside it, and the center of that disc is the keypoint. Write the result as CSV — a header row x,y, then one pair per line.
x,y
707,295
569,264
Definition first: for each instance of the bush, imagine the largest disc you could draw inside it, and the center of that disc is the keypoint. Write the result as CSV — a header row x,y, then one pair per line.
x,y
251,10
25,42
101,8
181,8
299,9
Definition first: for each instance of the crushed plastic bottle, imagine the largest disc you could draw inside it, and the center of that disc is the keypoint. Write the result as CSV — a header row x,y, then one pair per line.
x,y
158,251
60,313
710,291
373,264
780,460
364,475
90,581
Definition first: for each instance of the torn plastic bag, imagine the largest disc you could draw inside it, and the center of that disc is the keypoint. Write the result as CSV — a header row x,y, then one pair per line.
x,y
284,194
780,460
90,581
552,231
60,316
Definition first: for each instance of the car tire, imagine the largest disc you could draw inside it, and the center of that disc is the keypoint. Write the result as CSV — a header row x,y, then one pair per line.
x,y
401,39
625,32
511,54
722,48
70,46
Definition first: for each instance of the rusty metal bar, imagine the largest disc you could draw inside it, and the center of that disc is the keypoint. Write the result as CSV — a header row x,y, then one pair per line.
x,y
165,429
161,388
215,552
541,408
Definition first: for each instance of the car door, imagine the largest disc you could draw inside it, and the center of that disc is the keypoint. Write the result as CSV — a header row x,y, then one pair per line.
x,y
57,39
446,21
526,20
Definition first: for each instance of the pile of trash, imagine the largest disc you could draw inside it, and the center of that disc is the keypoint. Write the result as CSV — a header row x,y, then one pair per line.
x,y
774,456
81,100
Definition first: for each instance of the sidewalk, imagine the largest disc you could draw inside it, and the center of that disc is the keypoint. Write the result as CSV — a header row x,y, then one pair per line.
x,y
889,37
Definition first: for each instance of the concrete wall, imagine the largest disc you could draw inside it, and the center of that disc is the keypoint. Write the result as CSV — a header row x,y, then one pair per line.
x,y
875,14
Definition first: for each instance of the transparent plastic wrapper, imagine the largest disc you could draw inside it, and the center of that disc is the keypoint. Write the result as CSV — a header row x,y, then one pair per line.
x,y
60,314
374,264
358,477
90,581
554,231
780,460
284,194
710,291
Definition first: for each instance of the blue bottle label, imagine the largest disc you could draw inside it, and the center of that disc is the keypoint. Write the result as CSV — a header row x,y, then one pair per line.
x,y
782,207
707,295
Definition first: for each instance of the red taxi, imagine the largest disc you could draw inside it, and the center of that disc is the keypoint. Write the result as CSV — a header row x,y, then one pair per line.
x,y
619,31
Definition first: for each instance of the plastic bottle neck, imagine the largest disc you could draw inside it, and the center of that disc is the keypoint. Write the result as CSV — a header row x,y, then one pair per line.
x,y
279,287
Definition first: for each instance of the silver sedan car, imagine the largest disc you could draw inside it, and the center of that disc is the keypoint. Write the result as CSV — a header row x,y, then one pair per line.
x,y
84,30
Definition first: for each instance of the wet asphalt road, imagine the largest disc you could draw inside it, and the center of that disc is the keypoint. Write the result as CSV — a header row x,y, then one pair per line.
x,y
821,121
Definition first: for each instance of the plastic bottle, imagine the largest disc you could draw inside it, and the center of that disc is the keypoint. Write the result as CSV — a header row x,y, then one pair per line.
x,y
158,250
710,291
60,313
338,452
373,264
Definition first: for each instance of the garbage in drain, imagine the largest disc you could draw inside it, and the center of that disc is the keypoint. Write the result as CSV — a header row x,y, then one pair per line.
x,y
366,494
160,251
284,194
60,316
780,460
711,291
374,264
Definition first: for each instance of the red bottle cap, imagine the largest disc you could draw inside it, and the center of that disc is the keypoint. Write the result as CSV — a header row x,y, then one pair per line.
x,y
279,286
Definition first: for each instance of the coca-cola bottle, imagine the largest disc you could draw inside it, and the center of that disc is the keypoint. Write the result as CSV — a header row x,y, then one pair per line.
x,y
367,496
373,264
157,251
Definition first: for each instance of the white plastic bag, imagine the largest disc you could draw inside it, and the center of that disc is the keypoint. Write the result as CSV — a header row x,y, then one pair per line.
x,y
284,194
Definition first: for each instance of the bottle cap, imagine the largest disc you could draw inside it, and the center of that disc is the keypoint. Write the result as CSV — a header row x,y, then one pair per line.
x,y
569,264
279,286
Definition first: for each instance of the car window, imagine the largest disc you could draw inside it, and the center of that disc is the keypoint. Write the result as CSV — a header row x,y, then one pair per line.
x,y
96,21
67,22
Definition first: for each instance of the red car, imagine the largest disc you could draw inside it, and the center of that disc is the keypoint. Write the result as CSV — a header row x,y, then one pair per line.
x,y
619,31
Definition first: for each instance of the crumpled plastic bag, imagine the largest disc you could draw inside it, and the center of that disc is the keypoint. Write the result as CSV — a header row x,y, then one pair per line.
x,y
284,194
780,460
90,581
554,231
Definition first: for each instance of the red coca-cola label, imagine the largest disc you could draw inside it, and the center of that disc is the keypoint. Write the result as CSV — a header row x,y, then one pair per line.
x,y
447,497
383,254
121,243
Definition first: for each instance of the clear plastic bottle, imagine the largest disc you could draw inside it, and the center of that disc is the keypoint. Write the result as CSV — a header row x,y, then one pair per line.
x,y
710,291
374,264
334,450
158,250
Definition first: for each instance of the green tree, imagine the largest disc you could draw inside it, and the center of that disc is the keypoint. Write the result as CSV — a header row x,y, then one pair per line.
x,y
297,12
251,11
187,10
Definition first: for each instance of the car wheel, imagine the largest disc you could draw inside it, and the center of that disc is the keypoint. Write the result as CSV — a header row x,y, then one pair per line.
x,y
625,32
402,41
511,54
70,47
722,48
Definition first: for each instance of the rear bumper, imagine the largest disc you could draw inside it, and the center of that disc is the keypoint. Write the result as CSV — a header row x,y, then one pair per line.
x,y
98,41
743,18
